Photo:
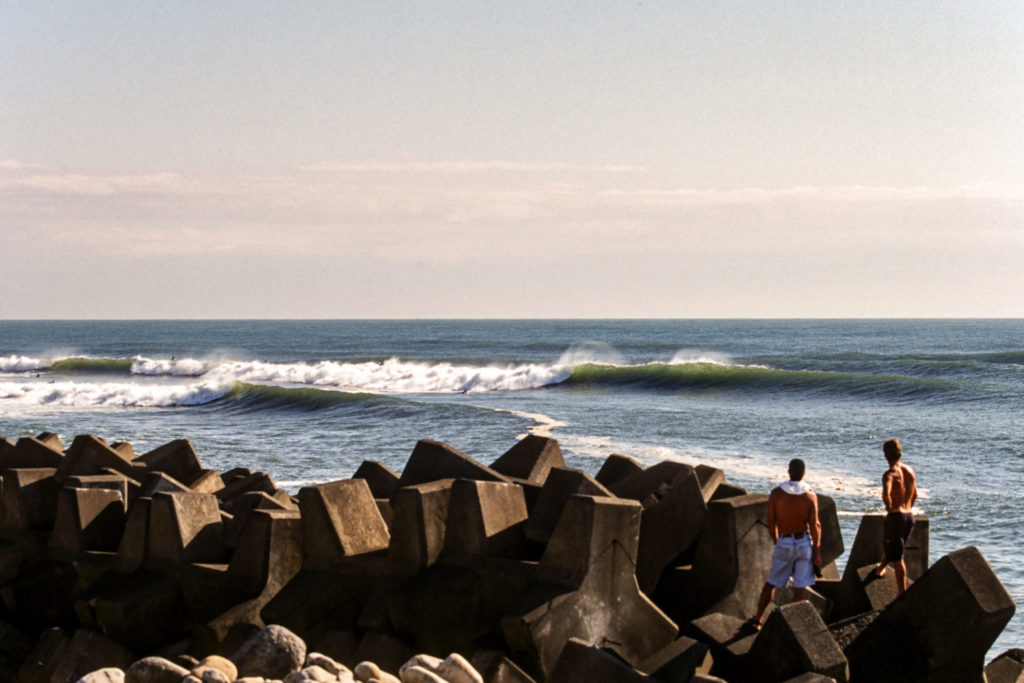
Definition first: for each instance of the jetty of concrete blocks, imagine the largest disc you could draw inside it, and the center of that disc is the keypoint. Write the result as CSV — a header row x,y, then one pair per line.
x,y
531,569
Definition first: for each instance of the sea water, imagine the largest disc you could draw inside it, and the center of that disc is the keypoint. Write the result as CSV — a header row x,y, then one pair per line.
x,y
308,401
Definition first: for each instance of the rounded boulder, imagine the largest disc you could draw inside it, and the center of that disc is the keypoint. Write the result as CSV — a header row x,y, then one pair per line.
x,y
274,652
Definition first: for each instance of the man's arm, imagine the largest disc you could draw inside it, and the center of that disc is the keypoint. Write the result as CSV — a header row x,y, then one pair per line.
x,y
772,526
887,490
814,526
911,486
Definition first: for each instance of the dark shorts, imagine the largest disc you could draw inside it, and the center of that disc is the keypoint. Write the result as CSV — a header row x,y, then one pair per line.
x,y
897,530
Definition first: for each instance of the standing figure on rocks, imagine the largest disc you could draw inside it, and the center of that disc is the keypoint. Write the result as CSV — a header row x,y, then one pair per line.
x,y
899,491
795,528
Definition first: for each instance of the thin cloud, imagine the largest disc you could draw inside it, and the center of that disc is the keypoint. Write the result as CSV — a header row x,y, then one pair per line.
x,y
103,185
848,193
15,165
467,167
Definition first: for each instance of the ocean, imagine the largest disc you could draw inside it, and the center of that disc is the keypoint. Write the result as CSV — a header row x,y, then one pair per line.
x,y
308,400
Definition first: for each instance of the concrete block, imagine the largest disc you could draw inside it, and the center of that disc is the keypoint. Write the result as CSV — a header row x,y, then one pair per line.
x,y
726,490
616,468
315,602
131,550
585,587
581,662
382,480
52,440
495,667
831,535
159,482
30,453
433,460
940,629
1007,667
90,454
176,459
729,639
864,591
868,546
845,631
710,479
113,481
183,527
530,459
679,661
439,610
733,556
257,481
270,552
340,519
88,651
87,519
419,520
43,596
15,647
29,500
673,517
486,518
241,507
560,485
39,665
794,641
207,481
142,611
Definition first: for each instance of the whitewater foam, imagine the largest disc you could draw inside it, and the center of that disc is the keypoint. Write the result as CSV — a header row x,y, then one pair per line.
x,y
394,376
10,364
824,482
115,394
185,367
543,424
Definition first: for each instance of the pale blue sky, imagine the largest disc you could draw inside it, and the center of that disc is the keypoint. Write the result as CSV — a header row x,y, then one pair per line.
x,y
482,159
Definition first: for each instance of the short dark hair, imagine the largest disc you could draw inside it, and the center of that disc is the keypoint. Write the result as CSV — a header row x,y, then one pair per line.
x,y
796,469
892,450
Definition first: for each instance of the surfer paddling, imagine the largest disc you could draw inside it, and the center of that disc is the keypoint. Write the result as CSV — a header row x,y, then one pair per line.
x,y
899,491
796,531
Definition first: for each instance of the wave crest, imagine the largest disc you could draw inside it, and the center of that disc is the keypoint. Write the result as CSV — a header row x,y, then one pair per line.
x,y
112,394
22,364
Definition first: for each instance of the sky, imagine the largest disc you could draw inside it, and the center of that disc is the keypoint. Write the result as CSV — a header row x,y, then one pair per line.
x,y
480,159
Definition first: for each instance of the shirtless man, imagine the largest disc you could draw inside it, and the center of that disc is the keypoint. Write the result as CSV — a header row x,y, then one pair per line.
x,y
899,491
796,531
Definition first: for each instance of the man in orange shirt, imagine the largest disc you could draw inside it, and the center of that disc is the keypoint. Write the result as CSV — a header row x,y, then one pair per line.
x,y
899,491
794,526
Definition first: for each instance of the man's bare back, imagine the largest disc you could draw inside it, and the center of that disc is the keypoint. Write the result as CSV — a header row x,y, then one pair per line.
x,y
899,488
792,514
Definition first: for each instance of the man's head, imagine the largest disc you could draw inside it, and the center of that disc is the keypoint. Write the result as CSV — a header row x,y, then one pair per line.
x,y
892,450
796,469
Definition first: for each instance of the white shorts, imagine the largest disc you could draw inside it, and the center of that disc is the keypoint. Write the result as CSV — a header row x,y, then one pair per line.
x,y
792,557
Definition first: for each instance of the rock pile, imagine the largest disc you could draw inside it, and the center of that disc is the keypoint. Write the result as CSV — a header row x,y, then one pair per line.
x,y
153,568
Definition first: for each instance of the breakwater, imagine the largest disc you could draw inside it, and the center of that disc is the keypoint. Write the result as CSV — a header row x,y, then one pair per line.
x,y
525,568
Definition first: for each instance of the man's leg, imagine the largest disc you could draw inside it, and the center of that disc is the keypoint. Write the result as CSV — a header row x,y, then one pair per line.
x,y
798,594
901,577
762,604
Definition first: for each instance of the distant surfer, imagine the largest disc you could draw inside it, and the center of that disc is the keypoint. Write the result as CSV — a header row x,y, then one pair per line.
x,y
795,529
899,491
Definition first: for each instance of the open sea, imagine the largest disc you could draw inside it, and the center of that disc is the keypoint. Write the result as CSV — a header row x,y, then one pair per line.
x,y
307,401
